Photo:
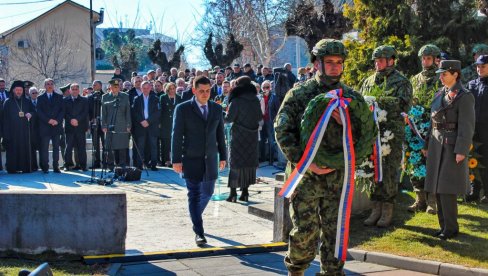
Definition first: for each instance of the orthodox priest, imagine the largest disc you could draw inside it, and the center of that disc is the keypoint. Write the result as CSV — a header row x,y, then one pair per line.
x,y
17,116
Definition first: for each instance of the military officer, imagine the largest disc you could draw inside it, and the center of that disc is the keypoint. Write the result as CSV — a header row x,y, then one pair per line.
x,y
469,73
116,123
425,84
314,206
453,124
479,88
393,84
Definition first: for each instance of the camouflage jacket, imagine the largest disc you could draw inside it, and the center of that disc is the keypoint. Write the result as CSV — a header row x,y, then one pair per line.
x,y
469,73
288,124
395,85
425,84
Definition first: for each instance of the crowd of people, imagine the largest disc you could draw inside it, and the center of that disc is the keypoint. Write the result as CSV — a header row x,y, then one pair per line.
x,y
192,119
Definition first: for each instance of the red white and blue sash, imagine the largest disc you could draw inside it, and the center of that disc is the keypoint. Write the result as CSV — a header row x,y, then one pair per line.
x,y
337,102
377,158
413,127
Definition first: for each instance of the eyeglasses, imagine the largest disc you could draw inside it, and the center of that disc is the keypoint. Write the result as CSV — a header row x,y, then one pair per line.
x,y
34,93
266,87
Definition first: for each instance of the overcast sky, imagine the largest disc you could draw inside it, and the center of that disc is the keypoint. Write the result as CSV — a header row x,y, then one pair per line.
x,y
177,19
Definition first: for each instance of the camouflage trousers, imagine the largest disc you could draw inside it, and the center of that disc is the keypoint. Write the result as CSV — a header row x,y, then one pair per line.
x,y
314,211
418,185
387,190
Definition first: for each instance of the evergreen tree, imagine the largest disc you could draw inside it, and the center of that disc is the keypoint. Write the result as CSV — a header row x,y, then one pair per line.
x,y
312,22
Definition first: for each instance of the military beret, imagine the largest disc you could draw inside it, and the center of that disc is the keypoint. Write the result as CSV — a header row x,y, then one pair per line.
x,y
483,59
115,81
247,65
64,88
228,68
449,65
28,83
237,65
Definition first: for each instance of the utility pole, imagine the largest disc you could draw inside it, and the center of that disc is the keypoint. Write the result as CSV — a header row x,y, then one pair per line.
x,y
92,48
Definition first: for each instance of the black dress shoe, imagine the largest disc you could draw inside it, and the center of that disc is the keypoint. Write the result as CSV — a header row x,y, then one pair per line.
x,y
153,168
96,166
244,198
444,236
437,233
200,240
56,170
84,169
76,168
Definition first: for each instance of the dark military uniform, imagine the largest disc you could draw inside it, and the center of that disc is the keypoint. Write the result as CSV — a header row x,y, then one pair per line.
x,y
469,73
479,88
116,119
314,207
453,123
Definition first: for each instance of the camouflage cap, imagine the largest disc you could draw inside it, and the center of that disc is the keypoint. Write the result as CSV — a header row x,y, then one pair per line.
x,y
328,47
384,51
480,49
429,50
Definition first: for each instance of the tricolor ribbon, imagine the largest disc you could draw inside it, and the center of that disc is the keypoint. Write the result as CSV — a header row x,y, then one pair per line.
x,y
337,102
413,127
377,158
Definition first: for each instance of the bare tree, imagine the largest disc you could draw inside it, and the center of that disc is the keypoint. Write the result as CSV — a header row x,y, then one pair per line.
x,y
49,54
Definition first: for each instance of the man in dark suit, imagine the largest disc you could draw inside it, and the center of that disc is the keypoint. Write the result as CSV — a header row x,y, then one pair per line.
x,y
4,94
197,146
94,112
76,125
217,87
50,113
145,116
35,137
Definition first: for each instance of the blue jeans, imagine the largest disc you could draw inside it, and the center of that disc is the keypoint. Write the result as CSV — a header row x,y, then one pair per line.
x,y
199,194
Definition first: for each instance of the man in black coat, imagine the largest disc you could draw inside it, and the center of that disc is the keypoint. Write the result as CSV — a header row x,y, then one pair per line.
x,y
4,94
50,112
76,125
217,87
94,112
145,117
198,150
237,72
479,88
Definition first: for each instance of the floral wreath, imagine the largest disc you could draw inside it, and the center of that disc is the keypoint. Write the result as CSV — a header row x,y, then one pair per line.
x,y
330,153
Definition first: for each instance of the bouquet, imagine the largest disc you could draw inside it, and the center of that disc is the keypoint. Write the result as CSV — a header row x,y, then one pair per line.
x,y
414,160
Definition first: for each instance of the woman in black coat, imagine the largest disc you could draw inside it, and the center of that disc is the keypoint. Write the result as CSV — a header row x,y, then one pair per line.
x,y
244,113
168,102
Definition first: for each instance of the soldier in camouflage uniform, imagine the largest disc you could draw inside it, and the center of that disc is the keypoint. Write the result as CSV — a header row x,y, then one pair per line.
x,y
394,84
425,84
469,73
315,203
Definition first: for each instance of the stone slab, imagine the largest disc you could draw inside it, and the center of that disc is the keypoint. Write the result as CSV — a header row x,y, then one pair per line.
x,y
424,266
262,210
66,222
458,270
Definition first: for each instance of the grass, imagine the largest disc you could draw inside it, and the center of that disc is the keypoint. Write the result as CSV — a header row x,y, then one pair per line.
x,y
11,267
410,235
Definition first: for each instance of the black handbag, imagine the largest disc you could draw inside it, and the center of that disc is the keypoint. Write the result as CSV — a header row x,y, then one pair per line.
x,y
128,174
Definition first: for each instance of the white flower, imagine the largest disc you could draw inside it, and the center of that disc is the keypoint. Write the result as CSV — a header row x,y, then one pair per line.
x,y
369,175
385,149
388,135
370,99
382,116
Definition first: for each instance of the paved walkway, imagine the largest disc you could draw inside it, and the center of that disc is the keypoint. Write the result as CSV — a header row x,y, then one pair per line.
x,y
157,212
256,264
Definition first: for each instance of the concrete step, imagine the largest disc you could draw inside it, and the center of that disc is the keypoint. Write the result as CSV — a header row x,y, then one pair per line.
x,y
262,210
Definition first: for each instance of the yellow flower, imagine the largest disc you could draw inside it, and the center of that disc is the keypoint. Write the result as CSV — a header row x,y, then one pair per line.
x,y
471,177
407,154
473,163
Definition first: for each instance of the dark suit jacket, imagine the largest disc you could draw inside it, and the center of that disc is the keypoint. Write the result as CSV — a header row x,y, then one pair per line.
x,y
78,110
186,95
132,94
154,113
95,109
50,109
214,92
198,143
